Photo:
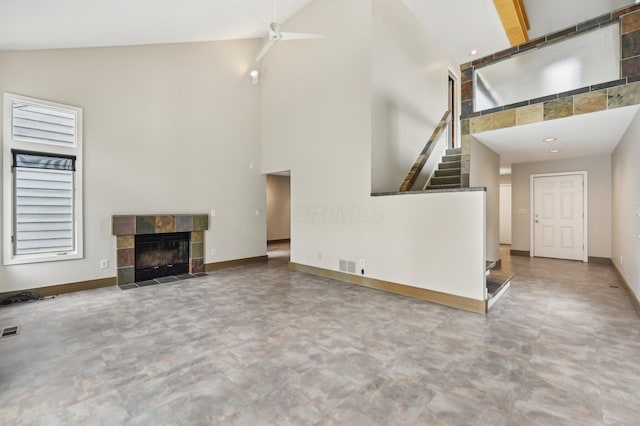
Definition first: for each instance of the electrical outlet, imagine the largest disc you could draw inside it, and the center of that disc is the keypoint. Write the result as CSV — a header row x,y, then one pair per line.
x,y
257,212
213,252
213,212
104,264
251,165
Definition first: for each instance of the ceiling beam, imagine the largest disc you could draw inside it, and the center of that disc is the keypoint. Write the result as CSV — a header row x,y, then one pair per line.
x,y
514,20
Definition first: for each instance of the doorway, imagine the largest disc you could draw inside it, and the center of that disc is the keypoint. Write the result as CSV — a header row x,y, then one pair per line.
x,y
451,128
559,216
279,215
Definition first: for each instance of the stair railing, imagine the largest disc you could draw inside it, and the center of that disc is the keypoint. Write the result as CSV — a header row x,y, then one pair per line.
x,y
422,159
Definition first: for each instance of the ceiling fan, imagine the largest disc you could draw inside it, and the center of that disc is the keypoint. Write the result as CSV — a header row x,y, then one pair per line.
x,y
275,35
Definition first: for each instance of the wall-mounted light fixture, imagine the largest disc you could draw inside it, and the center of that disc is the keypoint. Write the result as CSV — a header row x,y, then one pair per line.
x,y
255,76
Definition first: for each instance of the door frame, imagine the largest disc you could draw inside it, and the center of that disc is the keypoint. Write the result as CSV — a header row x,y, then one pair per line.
x,y
585,211
453,98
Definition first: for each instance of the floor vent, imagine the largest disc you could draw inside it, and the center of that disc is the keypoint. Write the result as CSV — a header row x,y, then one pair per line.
x,y
614,286
10,331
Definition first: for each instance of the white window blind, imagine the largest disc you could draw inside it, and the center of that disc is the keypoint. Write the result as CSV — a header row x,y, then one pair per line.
x,y
42,124
43,203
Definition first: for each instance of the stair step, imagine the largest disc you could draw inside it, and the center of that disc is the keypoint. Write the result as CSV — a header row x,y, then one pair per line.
x,y
491,264
447,172
496,282
444,186
450,165
445,180
455,157
454,151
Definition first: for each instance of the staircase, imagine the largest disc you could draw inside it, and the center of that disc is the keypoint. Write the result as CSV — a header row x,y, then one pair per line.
x,y
448,173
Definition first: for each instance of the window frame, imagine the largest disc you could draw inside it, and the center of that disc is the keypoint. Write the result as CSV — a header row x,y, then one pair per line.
x,y
10,144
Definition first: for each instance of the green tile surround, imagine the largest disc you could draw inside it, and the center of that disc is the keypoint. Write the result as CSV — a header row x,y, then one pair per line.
x,y
599,97
126,227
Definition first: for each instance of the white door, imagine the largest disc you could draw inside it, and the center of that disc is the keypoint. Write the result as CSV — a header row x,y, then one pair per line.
x,y
505,213
558,216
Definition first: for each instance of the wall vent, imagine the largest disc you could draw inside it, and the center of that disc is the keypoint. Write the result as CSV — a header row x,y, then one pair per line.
x,y
348,266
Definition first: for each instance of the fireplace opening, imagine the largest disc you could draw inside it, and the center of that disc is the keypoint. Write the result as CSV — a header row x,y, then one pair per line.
x,y
161,255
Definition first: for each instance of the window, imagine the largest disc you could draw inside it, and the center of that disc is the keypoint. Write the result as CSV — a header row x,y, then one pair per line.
x,y
42,158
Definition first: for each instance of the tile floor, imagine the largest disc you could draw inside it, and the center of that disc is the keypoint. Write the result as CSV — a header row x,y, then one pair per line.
x,y
260,345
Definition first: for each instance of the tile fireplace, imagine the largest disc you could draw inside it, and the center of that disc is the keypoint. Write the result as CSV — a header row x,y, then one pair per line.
x,y
182,249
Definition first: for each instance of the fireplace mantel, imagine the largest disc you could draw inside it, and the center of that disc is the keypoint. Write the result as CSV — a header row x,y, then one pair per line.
x,y
126,227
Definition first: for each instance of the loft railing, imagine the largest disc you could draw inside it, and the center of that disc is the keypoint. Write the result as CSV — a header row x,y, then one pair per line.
x,y
591,56
582,60
422,159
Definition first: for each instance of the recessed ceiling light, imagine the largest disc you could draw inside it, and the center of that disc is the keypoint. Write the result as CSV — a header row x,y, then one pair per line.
x,y
549,139
473,52
554,151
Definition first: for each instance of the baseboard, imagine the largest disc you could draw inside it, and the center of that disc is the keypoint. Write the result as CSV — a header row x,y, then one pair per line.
x,y
524,253
632,296
600,260
284,240
209,267
68,288
465,303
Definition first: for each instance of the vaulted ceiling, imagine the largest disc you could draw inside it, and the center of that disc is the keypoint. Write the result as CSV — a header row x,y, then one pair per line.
x,y
46,24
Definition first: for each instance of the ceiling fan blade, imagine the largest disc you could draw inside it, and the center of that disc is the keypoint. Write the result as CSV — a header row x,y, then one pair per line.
x,y
301,36
265,48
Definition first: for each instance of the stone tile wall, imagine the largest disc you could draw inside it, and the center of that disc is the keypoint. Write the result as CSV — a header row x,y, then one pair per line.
x,y
608,95
126,227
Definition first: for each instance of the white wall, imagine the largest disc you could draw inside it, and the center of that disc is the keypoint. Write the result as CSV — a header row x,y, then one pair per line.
x,y
626,206
167,129
278,207
317,122
484,170
505,179
599,195
547,16
410,75
505,209
505,213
